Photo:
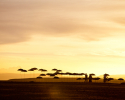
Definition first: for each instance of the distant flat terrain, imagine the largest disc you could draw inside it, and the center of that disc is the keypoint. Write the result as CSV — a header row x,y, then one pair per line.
x,y
60,80
61,91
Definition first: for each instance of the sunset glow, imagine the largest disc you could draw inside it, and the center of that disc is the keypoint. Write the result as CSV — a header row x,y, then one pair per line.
x,y
85,36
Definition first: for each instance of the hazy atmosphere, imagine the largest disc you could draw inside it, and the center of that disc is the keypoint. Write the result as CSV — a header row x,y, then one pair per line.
x,y
85,36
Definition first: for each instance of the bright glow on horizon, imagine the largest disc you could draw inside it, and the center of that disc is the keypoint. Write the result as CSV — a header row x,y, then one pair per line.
x,y
76,36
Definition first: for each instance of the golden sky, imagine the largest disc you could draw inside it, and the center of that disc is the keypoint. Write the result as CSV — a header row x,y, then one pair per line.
x,y
73,35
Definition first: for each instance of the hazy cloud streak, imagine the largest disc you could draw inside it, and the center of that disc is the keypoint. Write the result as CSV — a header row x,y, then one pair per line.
x,y
89,20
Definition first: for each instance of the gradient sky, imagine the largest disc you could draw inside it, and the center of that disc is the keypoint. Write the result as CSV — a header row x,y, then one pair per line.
x,y
73,35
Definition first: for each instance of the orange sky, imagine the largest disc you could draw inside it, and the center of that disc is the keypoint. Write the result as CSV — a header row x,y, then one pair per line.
x,y
73,35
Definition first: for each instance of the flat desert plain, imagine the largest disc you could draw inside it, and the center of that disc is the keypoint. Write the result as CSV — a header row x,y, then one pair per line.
x,y
61,91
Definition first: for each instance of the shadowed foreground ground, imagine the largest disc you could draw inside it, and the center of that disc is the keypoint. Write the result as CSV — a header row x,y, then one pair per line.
x,y
61,91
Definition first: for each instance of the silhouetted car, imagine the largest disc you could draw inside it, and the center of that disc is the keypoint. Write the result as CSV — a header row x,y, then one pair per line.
x,y
56,77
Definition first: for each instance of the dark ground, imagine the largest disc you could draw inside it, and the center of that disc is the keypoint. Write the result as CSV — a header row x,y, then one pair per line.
x,y
61,91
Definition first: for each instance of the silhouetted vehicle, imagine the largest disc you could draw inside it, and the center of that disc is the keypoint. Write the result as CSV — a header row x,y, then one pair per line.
x,y
56,77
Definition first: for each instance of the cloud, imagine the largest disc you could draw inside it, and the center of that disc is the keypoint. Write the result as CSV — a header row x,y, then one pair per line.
x,y
6,38
85,19
119,20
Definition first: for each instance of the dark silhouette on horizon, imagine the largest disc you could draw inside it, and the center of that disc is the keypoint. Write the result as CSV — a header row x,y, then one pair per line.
x,y
90,78
105,77
42,70
20,70
56,77
121,79
59,72
96,79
